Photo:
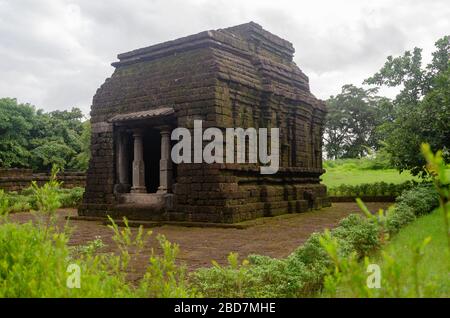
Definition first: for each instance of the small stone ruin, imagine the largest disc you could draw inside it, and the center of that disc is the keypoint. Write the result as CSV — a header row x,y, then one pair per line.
x,y
242,76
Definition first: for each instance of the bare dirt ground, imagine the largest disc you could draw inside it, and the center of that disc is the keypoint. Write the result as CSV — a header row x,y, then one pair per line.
x,y
275,237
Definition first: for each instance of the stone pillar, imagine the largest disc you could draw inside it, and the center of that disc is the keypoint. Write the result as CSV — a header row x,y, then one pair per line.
x,y
122,160
165,164
138,164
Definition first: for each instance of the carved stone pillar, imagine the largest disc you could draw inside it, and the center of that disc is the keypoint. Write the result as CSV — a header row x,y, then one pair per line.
x,y
122,160
165,164
138,164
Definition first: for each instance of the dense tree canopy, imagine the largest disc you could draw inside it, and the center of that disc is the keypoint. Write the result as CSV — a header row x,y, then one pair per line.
x,y
359,120
352,119
421,110
427,121
31,138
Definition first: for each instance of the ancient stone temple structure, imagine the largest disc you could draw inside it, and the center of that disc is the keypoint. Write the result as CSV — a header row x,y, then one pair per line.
x,y
241,76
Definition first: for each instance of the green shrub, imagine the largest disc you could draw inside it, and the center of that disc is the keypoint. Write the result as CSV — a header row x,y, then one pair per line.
x,y
34,264
35,259
421,199
303,272
300,274
378,162
357,234
163,278
397,217
234,280
311,253
276,277
28,199
259,276
410,204
4,203
288,277
71,198
403,275
372,189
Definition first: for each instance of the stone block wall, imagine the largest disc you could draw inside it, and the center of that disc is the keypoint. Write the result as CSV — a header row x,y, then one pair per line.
x,y
18,179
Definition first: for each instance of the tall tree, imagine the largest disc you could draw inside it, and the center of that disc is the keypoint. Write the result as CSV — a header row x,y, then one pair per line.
x,y
421,109
16,121
31,138
352,119
81,160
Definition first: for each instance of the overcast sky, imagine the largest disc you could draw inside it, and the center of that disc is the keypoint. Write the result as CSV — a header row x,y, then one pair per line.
x,y
56,53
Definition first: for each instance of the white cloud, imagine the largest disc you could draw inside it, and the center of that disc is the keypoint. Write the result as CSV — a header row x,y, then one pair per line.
x,y
55,54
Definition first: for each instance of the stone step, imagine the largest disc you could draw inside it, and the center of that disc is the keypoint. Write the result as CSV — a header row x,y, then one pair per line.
x,y
139,211
156,199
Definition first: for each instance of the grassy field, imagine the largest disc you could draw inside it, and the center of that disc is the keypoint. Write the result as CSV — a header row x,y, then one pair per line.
x,y
400,267
364,170
433,268
336,176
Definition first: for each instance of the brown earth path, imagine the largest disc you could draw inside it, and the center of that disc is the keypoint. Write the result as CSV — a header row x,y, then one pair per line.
x,y
275,237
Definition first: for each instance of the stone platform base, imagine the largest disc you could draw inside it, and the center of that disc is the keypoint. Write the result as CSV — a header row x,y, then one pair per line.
x,y
151,224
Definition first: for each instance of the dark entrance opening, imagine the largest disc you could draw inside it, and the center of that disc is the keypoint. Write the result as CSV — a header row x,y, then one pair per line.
x,y
152,155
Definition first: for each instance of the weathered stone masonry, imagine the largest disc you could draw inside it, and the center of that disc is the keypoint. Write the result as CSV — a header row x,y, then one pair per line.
x,y
16,179
241,76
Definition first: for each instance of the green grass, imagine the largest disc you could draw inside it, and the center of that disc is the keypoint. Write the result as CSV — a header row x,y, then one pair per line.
x,y
399,264
434,267
335,176
364,170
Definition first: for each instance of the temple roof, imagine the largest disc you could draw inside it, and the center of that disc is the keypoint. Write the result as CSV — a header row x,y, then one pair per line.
x,y
157,112
244,63
243,38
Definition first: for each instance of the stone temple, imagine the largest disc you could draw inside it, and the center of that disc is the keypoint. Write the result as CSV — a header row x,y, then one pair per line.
x,y
242,76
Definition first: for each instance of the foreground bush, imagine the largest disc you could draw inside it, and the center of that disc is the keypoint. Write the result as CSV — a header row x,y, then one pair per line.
x,y
420,199
411,204
300,274
303,273
36,261
416,262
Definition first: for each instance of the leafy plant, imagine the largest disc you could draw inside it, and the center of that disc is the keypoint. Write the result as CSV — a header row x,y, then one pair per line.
x,y
347,277
233,280
420,199
163,277
90,247
4,203
35,258
436,167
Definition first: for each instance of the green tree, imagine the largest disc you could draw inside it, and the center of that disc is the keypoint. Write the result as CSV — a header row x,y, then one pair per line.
x,y
56,139
429,122
352,119
16,121
31,138
421,109
81,160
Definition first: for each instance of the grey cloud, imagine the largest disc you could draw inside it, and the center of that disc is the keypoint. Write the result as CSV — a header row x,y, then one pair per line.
x,y
55,54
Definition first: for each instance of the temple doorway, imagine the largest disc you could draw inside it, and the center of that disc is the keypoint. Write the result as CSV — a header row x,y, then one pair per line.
x,y
152,156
